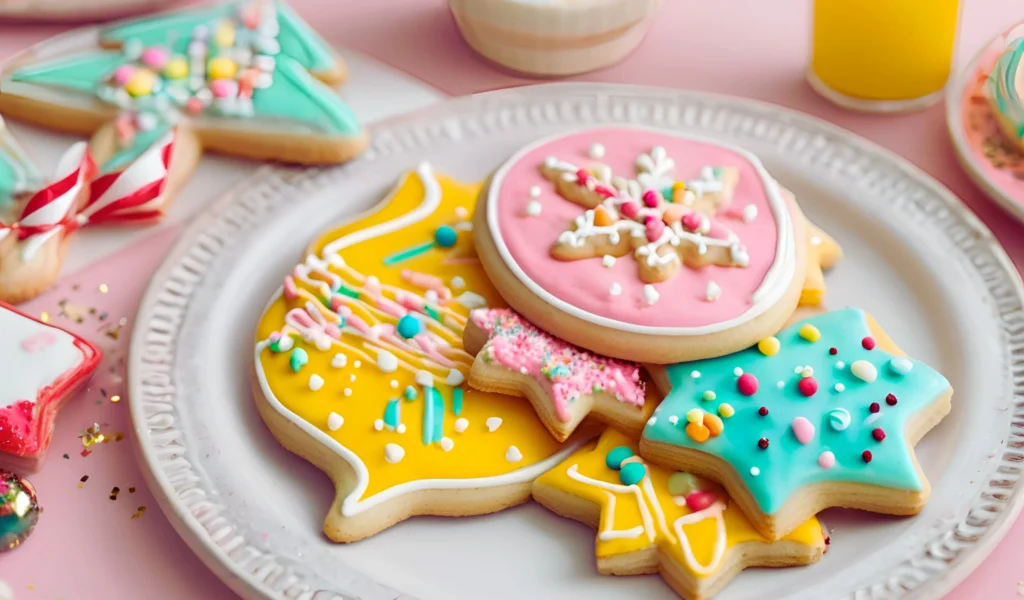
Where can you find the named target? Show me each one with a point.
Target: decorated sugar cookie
(564, 383)
(653, 520)
(43, 367)
(825, 413)
(360, 368)
(644, 245)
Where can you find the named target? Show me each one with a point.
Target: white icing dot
(455, 377)
(379, 424)
(447, 444)
(315, 382)
(458, 282)
(493, 423)
(323, 343)
(513, 454)
(393, 453)
(713, 292)
(755, 471)
(840, 387)
(424, 378)
(347, 391)
(615, 290)
(749, 213)
(596, 151)
(673, 419)
(357, 364)
(695, 374)
(535, 191)
(285, 344)
(431, 297)
(352, 377)
(737, 371)
(394, 384)
(608, 260)
(651, 295)
(780, 384)
(533, 208)
(386, 362)
(652, 421)
(798, 369)
(335, 421)
(840, 365)
(339, 361)
(400, 428)
(864, 371)
(461, 424)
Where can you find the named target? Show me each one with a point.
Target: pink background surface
(88, 546)
(585, 283)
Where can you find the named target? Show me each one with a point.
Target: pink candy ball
(221, 88)
(747, 384)
(155, 57)
(630, 209)
(651, 199)
(654, 229)
(692, 221)
(123, 74)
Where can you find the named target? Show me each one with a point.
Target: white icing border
(354, 503)
(772, 288)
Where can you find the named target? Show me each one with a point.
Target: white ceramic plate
(916, 259)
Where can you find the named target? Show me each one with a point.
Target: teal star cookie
(824, 414)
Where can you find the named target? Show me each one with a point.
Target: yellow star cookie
(653, 520)
(360, 368)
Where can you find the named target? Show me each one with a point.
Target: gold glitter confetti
(44, 317)
(114, 332)
(131, 490)
(92, 436)
(75, 312)
(103, 288)
(138, 514)
(115, 399)
(114, 492)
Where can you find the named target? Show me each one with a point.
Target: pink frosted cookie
(564, 383)
(642, 245)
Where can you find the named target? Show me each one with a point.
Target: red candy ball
(890, 399)
(582, 176)
(630, 209)
(651, 199)
(699, 500)
(874, 407)
(866, 455)
(808, 386)
(878, 434)
(868, 343)
(747, 384)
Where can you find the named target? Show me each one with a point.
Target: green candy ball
(632, 473)
(616, 456)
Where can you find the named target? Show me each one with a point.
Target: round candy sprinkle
(632, 473)
(155, 57)
(754, 471)
(123, 74)
(826, 460)
(737, 371)
(833, 351)
(803, 430)
(864, 371)
(222, 68)
(654, 229)
(890, 399)
(681, 484)
(695, 374)
(866, 455)
(762, 443)
(19, 510)
(630, 209)
(878, 434)
(651, 199)
(763, 411)
(808, 386)
(445, 236)
(141, 83)
(699, 500)
(726, 410)
(176, 68)
(673, 214)
(840, 364)
(839, 387)
(874, 407)
(698, 432)
(709, 396)
(714, 424)
(298, 359)
(769, 346)
(839, 419)
(900, 365)
(315, 382)
(747, 384)
(695, 415)
(615, 456)
(810, 333)
(409, 326)
(868, 343)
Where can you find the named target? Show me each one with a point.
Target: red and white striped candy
(133, 194)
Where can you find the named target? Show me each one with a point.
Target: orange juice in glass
(883, 55)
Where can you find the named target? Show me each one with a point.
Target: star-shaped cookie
(651, 519)
(43, 367)
(825, 413)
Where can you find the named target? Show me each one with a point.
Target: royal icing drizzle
(642, 505)
(821, 401)
(750, 232)
(245, 59)
(1006, 83)
(563, 371)
(38, 361)
(362, 348)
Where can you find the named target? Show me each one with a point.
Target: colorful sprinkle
(769, 346)
(698, 500)
(763, 443)
(409, 326)
(445, 236)
(808, 386)
(410, 393)
(632, 473)
(298, 359)
(890, 399)
(315, 382)
(826, 460)
(695, 415)
(709, 396)
(682, 484)
(868, 343)
(900, 365)
(864, 371)
(763, 411)
(810, 333)
(747, 384)
(803, 430)
(833, 351)
(616, 456)
(698, 432)
(878, 433)
(866, 455)
(726, 410)
(874, 407)
(714, 424)
(222, 68)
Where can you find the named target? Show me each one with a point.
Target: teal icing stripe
(80, 72)
(298, 96)
(457, 401)
(299, 41)
(428, 416)
(1002, 88)
(437, 409)
(408, 253)
(393, 414)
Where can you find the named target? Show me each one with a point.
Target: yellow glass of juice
(883, 55)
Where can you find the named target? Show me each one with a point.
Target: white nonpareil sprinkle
(608, 260)
(323, 343)
(749, 213)
(461, 424)
(755, 471)
(400, 428)
(523, 370)
(596, 151)
(285, 343)
(352, 377)
(335, 421)
(840, 364)
(737, 371)
(393, 453)
(651, 295)
(447, 444)
(695, 374)
(840, 387)
(357, 364)
(455, 377)
(713, 292)
(534, 208)
(652, 420)
(394, 384)
(347, 391)
(386, 362)
(339, 361)
(315, 382)
(535, 191)
(673, 419)
(780, 384)
(458, 282)
(431, 296)
(379, 424)
(493, 423)
(615, 289)
(513, 454)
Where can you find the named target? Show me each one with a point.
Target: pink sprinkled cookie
(643, 245)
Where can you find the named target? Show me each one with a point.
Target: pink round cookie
(643, 245)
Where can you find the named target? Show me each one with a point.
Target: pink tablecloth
(88, 546)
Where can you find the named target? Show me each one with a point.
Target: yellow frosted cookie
(360, 368)
(655, 520)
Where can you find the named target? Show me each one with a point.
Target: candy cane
(133, 194)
